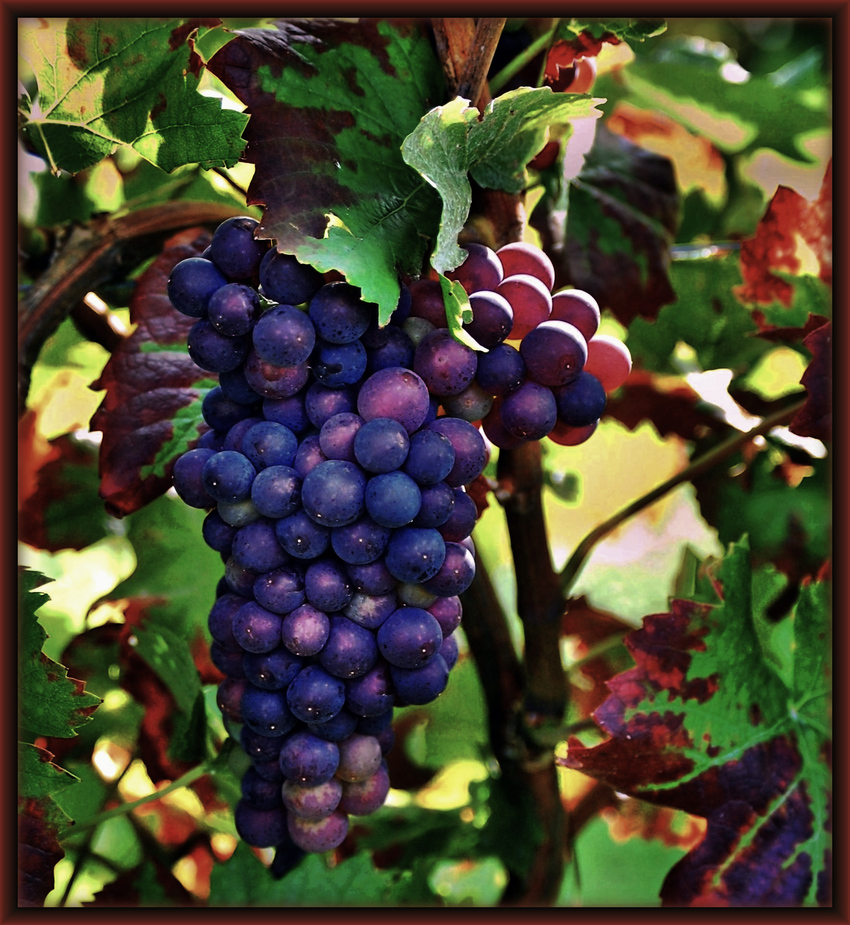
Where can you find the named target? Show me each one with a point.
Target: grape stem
(698, 467)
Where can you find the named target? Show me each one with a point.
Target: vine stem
(183, 781)
(524, 57)
(698, 467)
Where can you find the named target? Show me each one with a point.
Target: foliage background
(125, 612)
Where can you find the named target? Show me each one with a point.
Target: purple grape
(259, 792)
(308, 455)
(260, 828)
(371, 694)
(415, 554)
(327, 585)
(315, 801)
(255, 628)
(392, 499)
(492, 318)
(445, 365)
(305, 630)
(363, 797)
(318, 835)
(577, 308)
(359, 757)
(481, 269)
(220, 619)
(554, 352)
(339, 315)
(238, 513)
(280, 590)
(221, 412)
(381, 445)
(234, 437)
(322, 402)
(530, 411)
(301, 536)
(288, 411)
(370, 610)
(426, 301)
(228, 661)
(259, 748)
(582, 401)
(272, 381)
(315, 695)
(240, 580)
(284, 336)
(431, 457)
(187, 477)
(469, 446)
(267, 712)
(360, 542)
(235, 386)
(419, 686)
(235, 250)
(333, 493)
(269, 444)
(307, 759)
(272, 670)
(396, 350)
(255, 547)
(448, 612)
(276, 492)
(286, 280)
(350, 650)
(336, 728)
(227, 476)
(213, 351)
(409, 637)
(191, 285)
(455, 574)
(395, 393)
(229, 697)
(472, 404)
(337, 435)
(372, 578)
(437, 504)
(233, 310)
(501, 370)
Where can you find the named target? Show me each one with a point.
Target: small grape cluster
(334, 471)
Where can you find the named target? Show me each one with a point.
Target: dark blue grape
(415, 554)
(267, 712)
(235, 386)
(445, 365)
(337, 435)
(448, 612)
(270, 444)
(257, 747)
(308, 455)
(370, 610)
(492, 318)
(418, 686)
(449, 651)
(322, 402)
(327, 585)
(396, 350)
(273, 670)
(227, 476)
(222, 412)
(191, 285)
(256, 547)
(582, 401)
(240, 580)
(339, 314)
(374, 723)
(392, 499)
(234, 309)
(381, 445)
(214, 351)
(233, 438)
(409, 637)
(259, 792)
(220, 619)
(315, 696)
(462, 518)
(335, 729)
(372, 694)
(469, 446)
(350, 650)
(228, 661)
(187, 477)
(272, 381)
(530, 412)
(305, 630)
(276, 491)
(288, 411)
(501, 370)
(336, 365)
(431, 457)
(286, 280)
(360, 542)
(260, 828)
(301, 536)
(333, 493)
(235, 250)
(437, 504)
(455, 574)
(284, 336)
(256, 628)
(281, 590)
(372, 578)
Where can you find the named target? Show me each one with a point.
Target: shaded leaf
(59, 513)
(703, 723)
(151, 412)
(105, 82)
(330, 104)
(613, 30)
(38, 776)
(815, 418)
(49, 702)
(39, 823)
(493, 146)
(622, 216)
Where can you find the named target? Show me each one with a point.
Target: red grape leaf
(58, 514)
(714, 721)
(39, 822)
(331, 102)
(623, 212)
(815, 418)
(792, 232)
(151, 412)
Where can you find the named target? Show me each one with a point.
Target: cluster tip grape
(334, 471)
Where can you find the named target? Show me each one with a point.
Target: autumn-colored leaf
(795, 236)
(815, 418)
(39, 823)
(720, 720)
(151, 412)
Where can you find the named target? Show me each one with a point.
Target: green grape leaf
(107, 82)
(49, 702)
(167, 653)
(38, 776)
(151, 412)
(494, 146)
(244, 881)
(708, 723)
(701, 84)
(626, 30)
(330, 103)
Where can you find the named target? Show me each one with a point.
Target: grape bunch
(334, 471)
